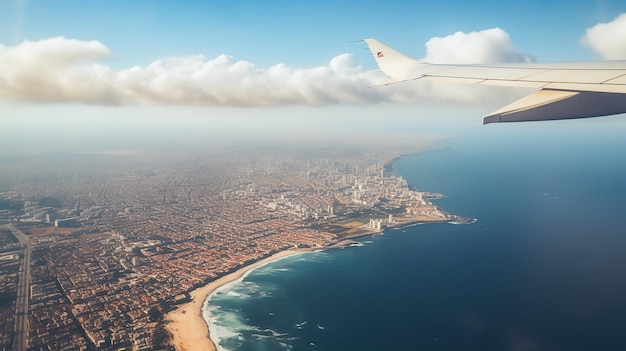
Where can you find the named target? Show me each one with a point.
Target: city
(95, 252)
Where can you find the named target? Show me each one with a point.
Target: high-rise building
(66, 222)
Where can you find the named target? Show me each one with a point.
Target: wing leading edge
(564, 91)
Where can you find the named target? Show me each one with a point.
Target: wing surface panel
(568, 90)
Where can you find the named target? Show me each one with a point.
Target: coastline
(188, 329)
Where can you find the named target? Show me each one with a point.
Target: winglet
(393, 63)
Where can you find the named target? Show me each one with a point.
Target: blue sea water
(543, 268)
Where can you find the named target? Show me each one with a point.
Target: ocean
(543, 268)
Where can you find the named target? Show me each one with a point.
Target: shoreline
(186, 325)
(188, 328)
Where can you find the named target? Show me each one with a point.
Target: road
(20, 343)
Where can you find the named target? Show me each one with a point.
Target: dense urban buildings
(112, 242)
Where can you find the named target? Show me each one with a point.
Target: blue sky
(299, 33)
(228, 59)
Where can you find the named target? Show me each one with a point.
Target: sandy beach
(188, 328)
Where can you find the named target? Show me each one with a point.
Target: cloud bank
(66, 70)
(60, 70)
(608, 39)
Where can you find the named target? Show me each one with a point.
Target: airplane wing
(564, 91)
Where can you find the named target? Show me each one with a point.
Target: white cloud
(608, 39)
(53, 70)
(65, 70)
(487, 46)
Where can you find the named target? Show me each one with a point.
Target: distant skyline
(248, 61)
